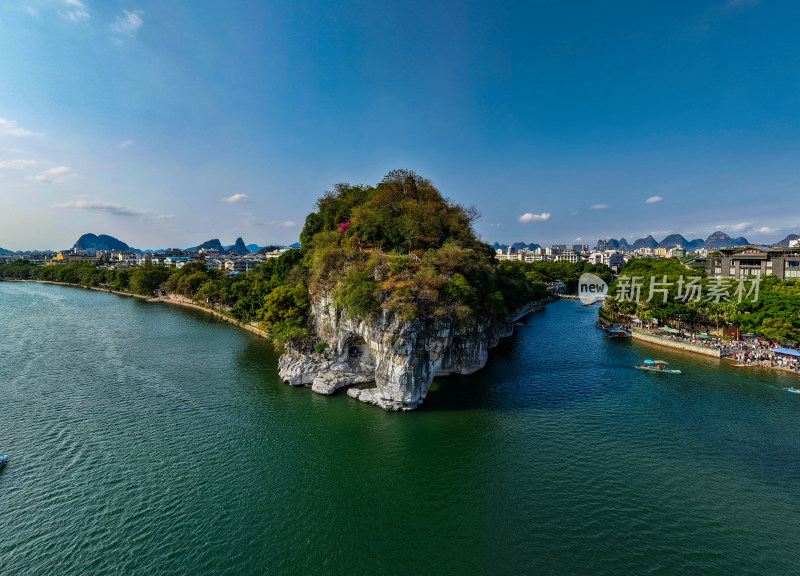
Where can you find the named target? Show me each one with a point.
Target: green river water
(150, 439)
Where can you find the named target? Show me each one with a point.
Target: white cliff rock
(401, 357)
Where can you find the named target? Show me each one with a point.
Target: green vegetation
(775, 313)
(568, 272)
(399, 246)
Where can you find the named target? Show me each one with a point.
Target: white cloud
(528, 217)
(31, 10)
(16, 164)
(235, 198)
(126, 144)
(129, 24)
(733, 227)
(76, 11)
(653, 199)
(56, 175)
(106, 207)
(284, 224)
(573, 213)
(578, 239)
(10, 127)
(765, 230)
(599, 206)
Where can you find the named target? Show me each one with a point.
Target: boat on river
(3, 460)
(794, 390)
(614, 333)
(657, 366)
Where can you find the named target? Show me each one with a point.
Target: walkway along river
(149, 439)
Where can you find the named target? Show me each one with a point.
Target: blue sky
(169, 123)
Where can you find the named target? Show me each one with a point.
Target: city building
(614, 259)
(68, 257)
(743, 261)
(677, 252)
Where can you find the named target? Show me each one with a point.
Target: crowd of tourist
(767, 358)
(756, 352)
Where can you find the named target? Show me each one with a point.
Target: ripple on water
(149, 439)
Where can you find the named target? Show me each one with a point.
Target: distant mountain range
(785, 242)
(214, 244)
(238, 247)
(717, 239)
(101, 242)
(516, 246)
(105, 242)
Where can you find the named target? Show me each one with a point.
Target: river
(150, 439)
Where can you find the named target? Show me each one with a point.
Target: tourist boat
(603, 325)
(657, 366)
(612, 333)
(3, 460)
(795, 390)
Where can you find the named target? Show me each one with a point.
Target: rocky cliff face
(400, 357)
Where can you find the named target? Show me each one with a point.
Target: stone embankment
(646, 336)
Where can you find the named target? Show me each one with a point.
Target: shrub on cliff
(403, 246)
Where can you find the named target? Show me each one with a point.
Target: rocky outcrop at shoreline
(400, 357)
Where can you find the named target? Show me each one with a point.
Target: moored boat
(3, 460)
(613, 333)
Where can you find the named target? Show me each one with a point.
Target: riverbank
(173, 299)
(761, 358)
(644, 335)
(181, 301)
(530, 307)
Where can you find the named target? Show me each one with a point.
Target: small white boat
(657, 366)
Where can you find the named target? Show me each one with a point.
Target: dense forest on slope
(404, 247)
(774, 312)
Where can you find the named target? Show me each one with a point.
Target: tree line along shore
(245, 298)
(769, 309)
(399, 246)
(746, 328)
